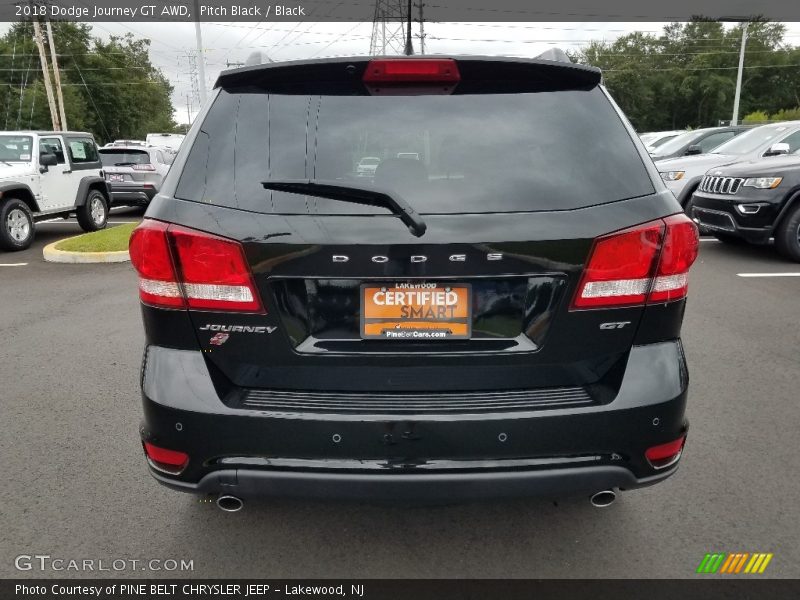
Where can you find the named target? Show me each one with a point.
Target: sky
(226, 43)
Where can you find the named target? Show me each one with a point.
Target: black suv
(496, 311)
(753, 202)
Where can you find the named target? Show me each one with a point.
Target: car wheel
(787, 236)
(17, 230)
(93, 215)
(727, 238)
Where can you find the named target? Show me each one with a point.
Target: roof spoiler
(343, 75)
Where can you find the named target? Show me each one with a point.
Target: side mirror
(47, 159)
(693, 149)
(777, 148)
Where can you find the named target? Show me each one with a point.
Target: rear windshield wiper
(125, 164)
(369, 196)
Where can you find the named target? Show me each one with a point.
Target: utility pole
(56, 76)
(735, 118)
(409, 50)
(188, 111)
(420, 6)
(37, 35)
(201, 63)
(389, 27)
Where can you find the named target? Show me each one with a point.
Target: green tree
(686, 76)
(110, 87)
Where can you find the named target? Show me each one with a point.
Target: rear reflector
(647, 263)
(172, 461)
(665, 455)
(182, 267)
(413, 70)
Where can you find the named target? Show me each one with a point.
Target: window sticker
(78, 150)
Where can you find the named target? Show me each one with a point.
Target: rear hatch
(514, 167)
(128, 167)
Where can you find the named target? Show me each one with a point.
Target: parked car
(752, 202)
(697, 141)
(171, 141)
(134, 174)
(654, 139)
(500, 319)
(126, 143)
(682, 175)
(367, 165)
(45, 174)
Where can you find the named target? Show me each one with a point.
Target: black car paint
(775, 203)
(634, 376)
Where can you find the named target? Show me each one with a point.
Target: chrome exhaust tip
(229, 503)
(603, 499)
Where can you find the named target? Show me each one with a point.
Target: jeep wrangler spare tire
(16, 225)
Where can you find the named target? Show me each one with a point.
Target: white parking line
(768, 274)
(62, 222)
(13, 264)
(709, 240)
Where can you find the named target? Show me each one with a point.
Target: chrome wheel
(18, 225)
(97, 210)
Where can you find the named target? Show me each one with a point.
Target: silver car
(682, 175)
(134, 173)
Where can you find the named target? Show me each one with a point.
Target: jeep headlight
(763, 183)
(672, 175)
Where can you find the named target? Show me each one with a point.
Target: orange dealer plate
(416, 311)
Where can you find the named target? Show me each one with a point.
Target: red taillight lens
(208, 272)
(620, 268)
(169, 460)
(150, 256)
(413, 70)
(214, 271)
(664, 455)
(678, 254)
(647, 263)
(144, 168)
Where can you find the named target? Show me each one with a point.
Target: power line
(704, 68)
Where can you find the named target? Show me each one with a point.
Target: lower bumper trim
(412, 486)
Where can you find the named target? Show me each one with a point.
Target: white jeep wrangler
(45, 175)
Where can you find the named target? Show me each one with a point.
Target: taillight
(180, 267)
(678, 253)
(412, 70)
(144, 168)
(665, 455)
(150, 256)
(647, 263)
(171, 461)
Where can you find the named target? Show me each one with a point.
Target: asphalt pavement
(76, 486)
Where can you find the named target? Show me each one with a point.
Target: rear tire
(787, 236)
(93, 215)
(727, 238)
(16, 225)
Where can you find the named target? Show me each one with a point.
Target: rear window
(467, 153)
(113, 157)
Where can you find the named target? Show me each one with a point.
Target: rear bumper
(137, 195)
(247, 483)
(453, 456)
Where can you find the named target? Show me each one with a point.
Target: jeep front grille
(721, 185)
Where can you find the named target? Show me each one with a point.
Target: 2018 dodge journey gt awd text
(499, 315)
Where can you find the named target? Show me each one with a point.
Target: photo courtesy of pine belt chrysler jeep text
(491, 311)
